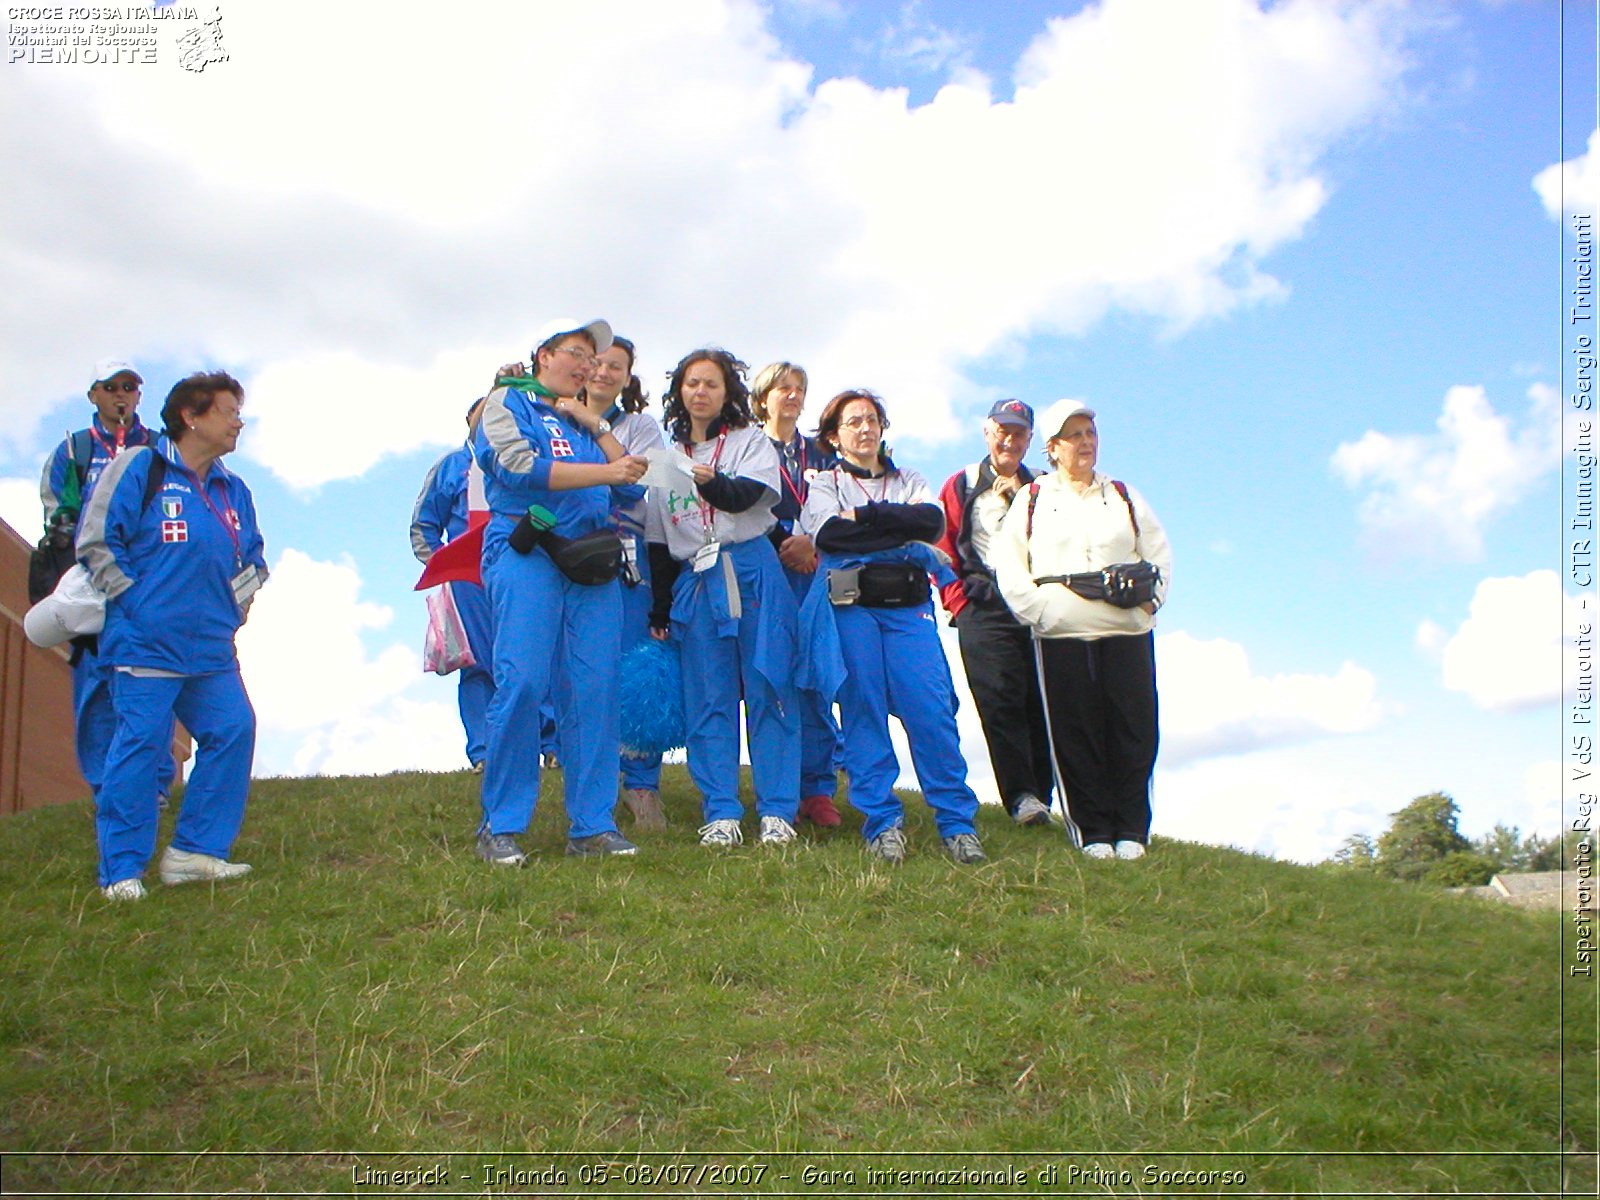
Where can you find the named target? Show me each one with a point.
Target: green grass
(373, 987)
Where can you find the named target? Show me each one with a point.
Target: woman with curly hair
(720, 592)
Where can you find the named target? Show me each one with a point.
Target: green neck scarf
(525, 383)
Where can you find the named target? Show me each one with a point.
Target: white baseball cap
(76, 607)
(1058, 414)
(599, 331)
(108, 368)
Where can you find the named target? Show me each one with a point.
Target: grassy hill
(375, 993)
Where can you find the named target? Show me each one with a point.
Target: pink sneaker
(819, 810)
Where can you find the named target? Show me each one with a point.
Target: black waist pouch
(893, 585)
(591, 560)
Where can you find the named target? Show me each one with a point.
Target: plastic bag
(445, 647)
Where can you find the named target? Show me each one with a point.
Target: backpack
(56, 552)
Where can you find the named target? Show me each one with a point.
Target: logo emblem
(171, 506)
(174, 531)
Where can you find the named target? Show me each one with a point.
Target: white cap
(76, 607)
(106, 368)
(598, 330)
(1058, 414)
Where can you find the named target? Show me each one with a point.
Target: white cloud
(1214, 705)
(19, 507)
(1432, 494)
(1506, 655)
(324, 704)
(309, 202)
(1573, 185)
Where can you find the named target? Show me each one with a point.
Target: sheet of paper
(668, 466)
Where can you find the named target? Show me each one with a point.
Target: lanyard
(783, 472)
(708, 513)
(113, 451)
(883, 492)
(227, 518)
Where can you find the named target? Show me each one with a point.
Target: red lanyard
(113, 451)
(708, 514)
(783, 472)
(227, 518)
(883, 492)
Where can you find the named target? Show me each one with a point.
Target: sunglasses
(124, 386)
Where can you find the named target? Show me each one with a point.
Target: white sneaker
(124, 889)
(775, 831)
(1030, 810)
(724, 832)
(182, 866)
(1100, 850)
(1130, 849)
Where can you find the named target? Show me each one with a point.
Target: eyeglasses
(866, 422)
(125, 386)
(583, 356)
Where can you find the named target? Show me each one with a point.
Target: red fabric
(457, 561)
(952, 497)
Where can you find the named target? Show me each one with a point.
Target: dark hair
(194, 395)
(633, 397)
(768, 378)
(833, 411)
(735, 412)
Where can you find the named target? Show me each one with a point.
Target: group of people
(794, 573)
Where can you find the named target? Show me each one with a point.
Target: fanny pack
(591, 560)
(880, 585)
(1126, 585)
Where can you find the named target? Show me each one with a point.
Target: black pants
(1102, 697)
(997, 653)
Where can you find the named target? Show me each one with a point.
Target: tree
(1420, 835)
(1357, 852)
(1460, 868)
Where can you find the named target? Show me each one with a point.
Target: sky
(1304, 259)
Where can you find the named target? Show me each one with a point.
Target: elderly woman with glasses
(170, 536)
(1096, 648)
(869, 620)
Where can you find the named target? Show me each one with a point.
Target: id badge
(245, 584)
(705, 556)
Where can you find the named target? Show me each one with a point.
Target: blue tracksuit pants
(819, 732)
(542, 619)
(476, 686)
(718, 668)
(216, 710)
(95, 724)
(896, 666)
(638, 771)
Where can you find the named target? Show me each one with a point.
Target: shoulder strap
(82, 454)
(1033, 502)
(1122, 490)
(155, 479)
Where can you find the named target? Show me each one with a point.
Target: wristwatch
(602, 427)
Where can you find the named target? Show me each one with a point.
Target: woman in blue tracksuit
(538, 446)
(777, 397)
(615, 393)
(180, 571)
(719, 589)
(869, 623)
(440, 515)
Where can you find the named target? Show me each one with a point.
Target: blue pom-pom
(652, 699)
